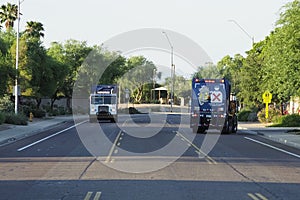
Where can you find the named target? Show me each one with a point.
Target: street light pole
(17, 58)
(172, 70)
(235, 22)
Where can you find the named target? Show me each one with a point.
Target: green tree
(282, 55)
(7, 67)
(34, 29)
(74, 54)
(55, 60)
(8, 15)
(140, 75)
(209, 71)
(182, 87)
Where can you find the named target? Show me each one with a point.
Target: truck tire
(234, 124)
(226, 129)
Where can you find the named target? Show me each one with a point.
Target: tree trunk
(38, 102)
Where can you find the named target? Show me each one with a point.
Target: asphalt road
(147, 157)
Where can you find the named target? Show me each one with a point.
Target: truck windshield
(103, 100)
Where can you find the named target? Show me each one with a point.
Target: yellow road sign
(267, 97)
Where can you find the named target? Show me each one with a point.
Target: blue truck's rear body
(211, 106)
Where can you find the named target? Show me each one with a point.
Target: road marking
(272, 147)
(261, 196)
(209, 159)
(89, 195)
(257, 196)
(50, 136)
(108, 158)
(97, 196)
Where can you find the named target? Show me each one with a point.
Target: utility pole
(172, 70)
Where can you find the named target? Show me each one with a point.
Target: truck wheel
(235, 125)
(226, 127)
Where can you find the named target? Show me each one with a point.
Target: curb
(279, 140)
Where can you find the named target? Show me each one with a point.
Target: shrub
(2, 118)
(6, 105)
(17, 119)
(247, 115)
(290, 120)
(38, 113)
(274, 115)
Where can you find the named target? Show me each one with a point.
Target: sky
(207, 23)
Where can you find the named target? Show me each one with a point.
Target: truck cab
(104, 103)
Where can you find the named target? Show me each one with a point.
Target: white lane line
(50, 136)
(108, 158)
(272, 147)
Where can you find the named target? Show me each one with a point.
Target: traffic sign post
(267, 97)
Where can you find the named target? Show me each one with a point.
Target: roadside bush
(17, 119)
(39, 113)
(274, 115)
(54, 112)
(6, 105)
(2, 118)
(290, 121)
(247, 115)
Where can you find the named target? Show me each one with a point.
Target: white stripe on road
(272, 147)
(89, 195)
(50, 136)
(108, 158)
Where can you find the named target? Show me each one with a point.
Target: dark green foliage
(289, 121)
(6, 105)
(243, 115)
(17, 119)
(38, 113)
(247, 115)
(2, 118)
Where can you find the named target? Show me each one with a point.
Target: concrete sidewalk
(10, 133)
(285, 135)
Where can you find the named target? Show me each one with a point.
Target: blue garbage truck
(213, 106)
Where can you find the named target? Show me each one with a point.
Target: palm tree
(8, 15)
(34, 29)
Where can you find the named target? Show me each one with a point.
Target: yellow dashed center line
(209, 159)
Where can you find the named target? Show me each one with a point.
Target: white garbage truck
(103, 103)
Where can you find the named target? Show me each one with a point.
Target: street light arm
(235, 22)
(168, 39)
